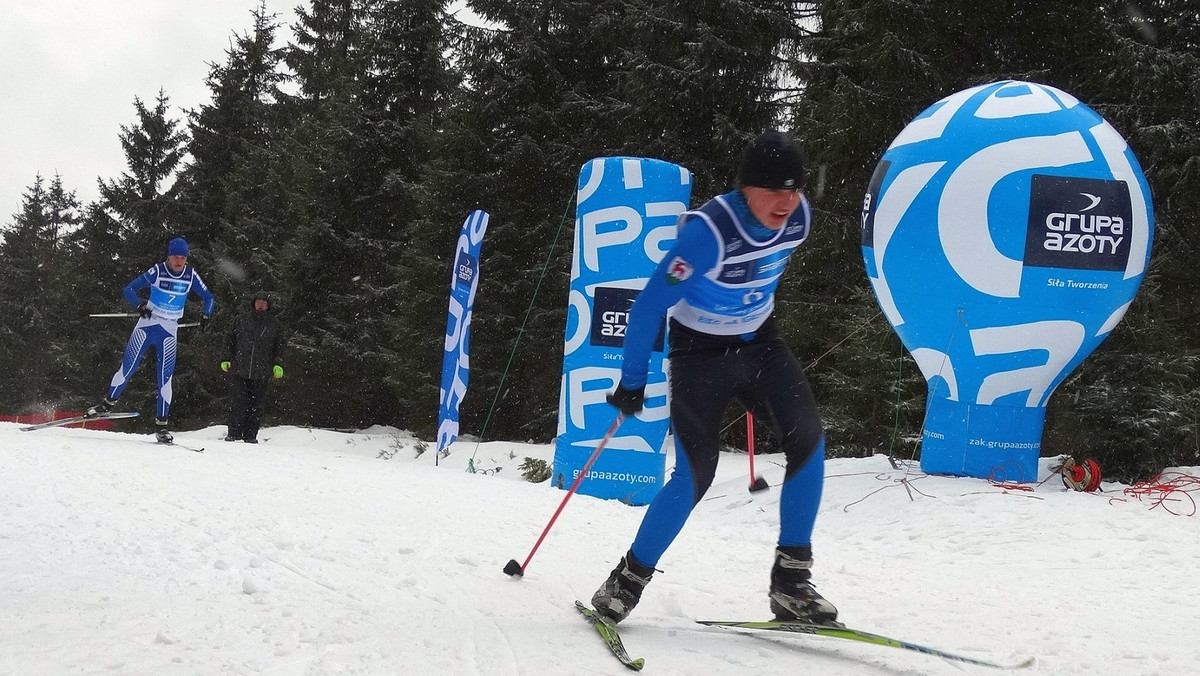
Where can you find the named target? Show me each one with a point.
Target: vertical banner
(625, 216)
(455, 362)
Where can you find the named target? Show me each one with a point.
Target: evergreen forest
(338, 156)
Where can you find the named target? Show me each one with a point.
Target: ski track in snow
(309, 555)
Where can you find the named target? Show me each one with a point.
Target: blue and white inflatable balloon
(1005, 233)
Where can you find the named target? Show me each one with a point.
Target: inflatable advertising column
(624, 224)
(1005, 233)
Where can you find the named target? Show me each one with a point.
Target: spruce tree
(142, 199)
(372, 82)
(553, 85)
(408, 90)
(867, 68)
(32, 299)
(97, 266)
(1134, 405)
(516, 139)
(137, 213)
(236, 190)
(871, 65)
(240, 199)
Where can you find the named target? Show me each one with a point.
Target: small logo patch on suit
(678, 271)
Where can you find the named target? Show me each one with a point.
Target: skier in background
(255, 349)
(719, 280)
(169, 283)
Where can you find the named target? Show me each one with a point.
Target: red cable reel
(1084, 476)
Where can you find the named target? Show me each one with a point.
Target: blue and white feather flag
(456, 361)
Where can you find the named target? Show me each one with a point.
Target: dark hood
(262, 295)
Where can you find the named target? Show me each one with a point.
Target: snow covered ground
(309, 554)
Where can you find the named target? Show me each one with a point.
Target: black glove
(628, 402)
(204, 322)
(144, 310)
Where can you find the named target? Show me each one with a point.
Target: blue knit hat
(177, 247)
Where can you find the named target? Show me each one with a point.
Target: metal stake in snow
(517, 570)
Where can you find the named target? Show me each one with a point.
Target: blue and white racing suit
(719, 280)
(168, 294)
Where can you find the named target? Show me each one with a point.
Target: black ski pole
(517, 570)
(757, 483)
(184, 325)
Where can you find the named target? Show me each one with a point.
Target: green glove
(225, 366)
(278, 371)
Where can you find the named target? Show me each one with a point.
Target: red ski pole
(757, 483)
(515, 569)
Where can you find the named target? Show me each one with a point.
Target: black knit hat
(773, 160)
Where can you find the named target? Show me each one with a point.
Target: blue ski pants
(160, 334)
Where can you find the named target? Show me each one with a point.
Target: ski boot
(163, 435)
(103, 407)
(793, 598)
(616, 598)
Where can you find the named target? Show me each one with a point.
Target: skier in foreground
(720, 277)
(169, 283)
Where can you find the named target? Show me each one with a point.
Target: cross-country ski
(75, 420)
(179, 445)
(608, 633)
(861, 636)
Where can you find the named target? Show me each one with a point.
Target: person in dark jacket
(255, 358)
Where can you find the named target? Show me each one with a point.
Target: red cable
(1168, 487)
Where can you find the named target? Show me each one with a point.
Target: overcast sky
(70, 69)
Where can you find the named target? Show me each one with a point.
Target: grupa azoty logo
(1005, 233)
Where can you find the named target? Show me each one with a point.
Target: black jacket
(256, 344)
